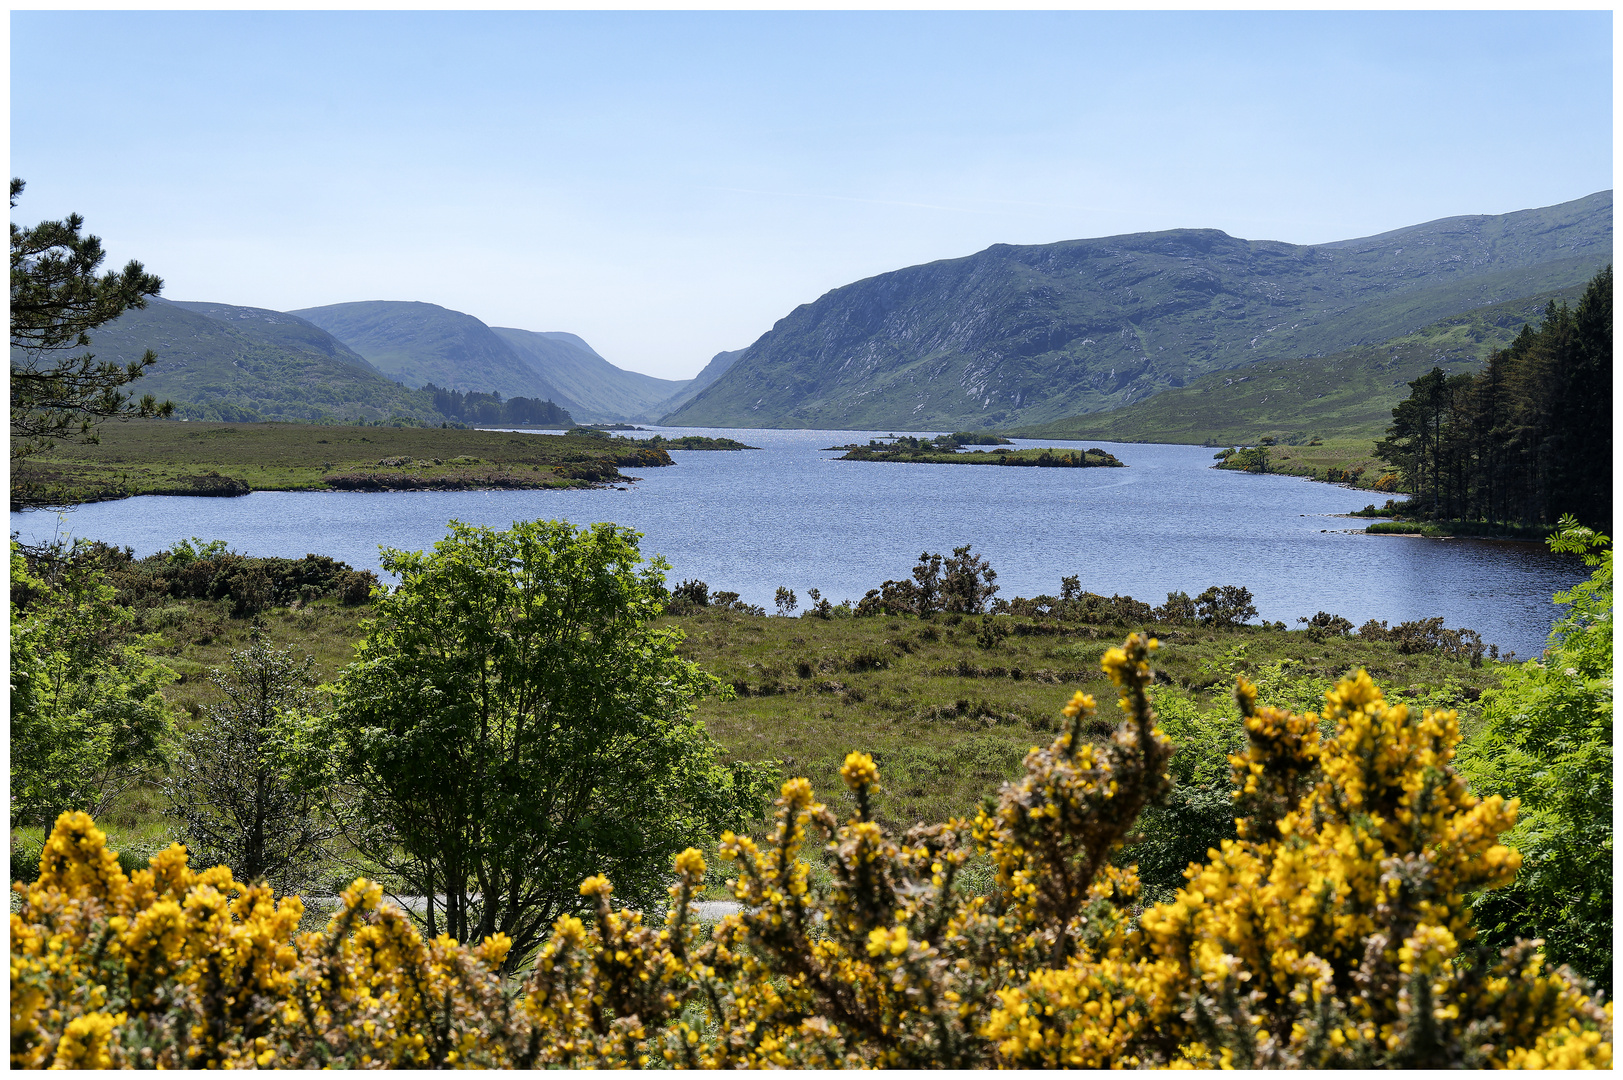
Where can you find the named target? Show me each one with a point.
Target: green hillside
(221, 362)
(1347, 395)
(592, 389)
(421, 343)
(1023, 336)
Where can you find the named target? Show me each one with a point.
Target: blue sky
(668, 184)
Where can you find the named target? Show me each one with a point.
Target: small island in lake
(940, 442)
(697, 442)
(943, 451)
(683, 442)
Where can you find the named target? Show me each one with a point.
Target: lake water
(788, 514)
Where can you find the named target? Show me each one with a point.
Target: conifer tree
(58, 390)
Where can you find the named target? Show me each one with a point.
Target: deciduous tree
(240, 803)
(513, 723)
(1547, 737)
(87, 717)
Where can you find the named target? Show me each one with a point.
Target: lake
(788, 514)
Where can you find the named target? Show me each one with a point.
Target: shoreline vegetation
(945, 682)
(167, 457)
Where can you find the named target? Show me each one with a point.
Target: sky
(668, 185)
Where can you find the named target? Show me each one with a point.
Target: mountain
(1347, 395)
(1025, 335)
(715, 369)
(592, 389)
(222, 362)
(420, 343)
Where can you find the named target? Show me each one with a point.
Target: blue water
(788, 514)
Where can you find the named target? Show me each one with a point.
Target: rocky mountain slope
(1026, 335)
(1346, 395)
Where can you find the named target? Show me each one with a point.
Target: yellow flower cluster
(1332, 933)
(169, 968)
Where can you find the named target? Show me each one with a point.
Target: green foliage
(1520, 441)
(1247, 459)
(512, 724)
(56, 297)
(1197, 813)
(961, 584)
(88, 720)
(1547, 737)
(946, 453)
(1224, 605)
(490, 409)
(242, 799)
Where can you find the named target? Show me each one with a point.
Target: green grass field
(947, 710)
(172, 457)
(1355, 456)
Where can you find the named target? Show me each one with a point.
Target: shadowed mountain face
(1032, 334)
(592, 389)
(222, 362)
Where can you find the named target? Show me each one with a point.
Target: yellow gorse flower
(1332, 932)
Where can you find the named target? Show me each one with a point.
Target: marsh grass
(947, 712)
(948, 719)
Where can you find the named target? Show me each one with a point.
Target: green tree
(240, 802)
(513, 723)
(1547, 737)
(88, 720)
(57, 390)
(1411, 443)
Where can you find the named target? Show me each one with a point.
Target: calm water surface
(790, 515)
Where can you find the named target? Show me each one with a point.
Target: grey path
(708, 910)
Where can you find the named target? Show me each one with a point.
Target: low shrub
(1329, 932)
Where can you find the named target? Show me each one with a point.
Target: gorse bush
(1332, 931)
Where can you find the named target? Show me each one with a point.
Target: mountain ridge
(1017, 335)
